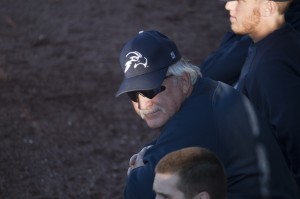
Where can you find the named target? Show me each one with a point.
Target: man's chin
(153, 124)
(238, 31)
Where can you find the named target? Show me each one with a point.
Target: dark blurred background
(63, 134)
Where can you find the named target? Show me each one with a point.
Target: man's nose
(144, 102)
(230, 5)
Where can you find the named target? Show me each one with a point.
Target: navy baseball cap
(145, 60)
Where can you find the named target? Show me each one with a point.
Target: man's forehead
(166, 185)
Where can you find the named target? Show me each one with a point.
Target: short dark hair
(198, 170)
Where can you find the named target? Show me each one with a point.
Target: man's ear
(202, 195)
(269, 8)
(186, 83)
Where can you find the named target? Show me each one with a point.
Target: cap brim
(147, 81)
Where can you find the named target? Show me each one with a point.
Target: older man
(170, 95)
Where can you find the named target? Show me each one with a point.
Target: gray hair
(183, 66)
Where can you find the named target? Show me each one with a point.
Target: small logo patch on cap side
(173, 56)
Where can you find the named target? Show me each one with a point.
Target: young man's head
(157, 80)
(190, 173)
(257, 18)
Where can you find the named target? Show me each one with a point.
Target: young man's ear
(202, 195)
(269, 8)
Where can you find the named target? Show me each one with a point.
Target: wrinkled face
(165, 186)
(244, 15)
(158, 110)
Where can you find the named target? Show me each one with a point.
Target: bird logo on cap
(135, 59)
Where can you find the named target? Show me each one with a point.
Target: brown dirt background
(63, 134)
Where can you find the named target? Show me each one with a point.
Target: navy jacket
(226, 62)
(270, 78)
(218, 117)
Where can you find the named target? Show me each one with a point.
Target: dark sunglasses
(133, 95)
(146, 93)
